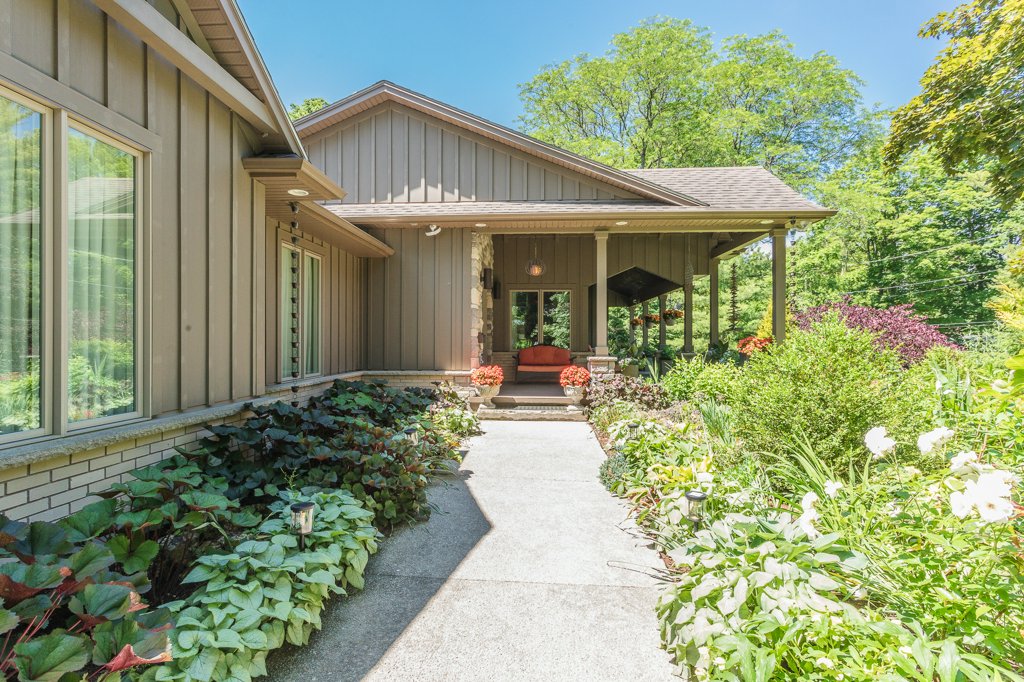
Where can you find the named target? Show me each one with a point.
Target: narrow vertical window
(289, 307)
(311, 313)
(20, 268)
(557, 318)
(101, 279)
(525, 328)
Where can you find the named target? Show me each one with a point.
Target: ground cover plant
(863, 518)
(190, 570)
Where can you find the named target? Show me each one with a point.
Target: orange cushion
(545, 355)
(541, 368)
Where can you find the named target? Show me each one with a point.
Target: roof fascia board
(153, 29)
(381, 214)
(386, 90)
(252, 53)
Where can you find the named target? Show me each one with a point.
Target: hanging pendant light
(535, 266)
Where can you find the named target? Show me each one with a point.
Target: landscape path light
(302, 520)
(695, 507)
(413, 435)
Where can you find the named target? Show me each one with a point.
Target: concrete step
(511, 401)
(531, 413)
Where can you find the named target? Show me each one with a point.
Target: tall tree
(662, 96)
(970, 107)
(307, 107)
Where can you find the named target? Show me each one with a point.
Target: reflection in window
(20, 267)
(101, 279)
(553, 327)
(311, 313)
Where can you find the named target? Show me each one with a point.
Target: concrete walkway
(527, 570)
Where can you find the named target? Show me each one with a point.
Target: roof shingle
(732, 188)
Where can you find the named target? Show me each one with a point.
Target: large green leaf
(202, 667)
(8, 620)
(43, 539)
(47, 658)
(20, 581)
(135, 553)
(89, 560)
(98, 603)
(90, 521)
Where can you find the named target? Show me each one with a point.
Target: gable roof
(732, 188)
(385, 91)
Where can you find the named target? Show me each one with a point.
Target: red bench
(537, 361)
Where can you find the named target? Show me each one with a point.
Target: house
(172, 247)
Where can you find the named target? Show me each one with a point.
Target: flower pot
(670, 321)
(630, 370)
(575, 393)
(488, 393)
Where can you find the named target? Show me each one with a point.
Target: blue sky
(473, 55)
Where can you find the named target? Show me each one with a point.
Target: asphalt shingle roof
(732, 188)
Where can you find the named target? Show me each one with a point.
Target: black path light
(634, 430)
(302, 520)
(695, 507)
(413, 435)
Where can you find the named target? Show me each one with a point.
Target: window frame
(540, 312)
(55, 125)
(304, 252)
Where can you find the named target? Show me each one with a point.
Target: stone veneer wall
(52, 479)
(481, 302)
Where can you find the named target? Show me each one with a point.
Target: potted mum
(487, 379)
(574, 380)
(652, 319)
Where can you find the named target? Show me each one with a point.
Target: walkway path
(527, 570)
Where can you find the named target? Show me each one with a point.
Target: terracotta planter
(488, 393)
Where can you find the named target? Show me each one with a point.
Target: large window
(21, 260)
(540, 317)
(300, 312)
(101, 278)
(68, 274)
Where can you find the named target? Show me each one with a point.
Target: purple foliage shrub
(898, 327)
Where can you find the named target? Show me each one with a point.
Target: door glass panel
(289, 312)
(101, 278)
(524, 319)
(557, 318)
(20, 266)
(311, 314)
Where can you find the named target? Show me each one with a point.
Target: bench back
(544, 355)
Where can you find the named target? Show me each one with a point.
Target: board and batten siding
(393, 154)
(418, 302)
(571, 265)
(343, 302)
(204, 245)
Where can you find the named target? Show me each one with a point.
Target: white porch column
(601, 323)
(688, 319)
(713, 301)
(662, 300)
(779, 284)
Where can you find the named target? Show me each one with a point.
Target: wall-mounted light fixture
(298, 192)
(487, 278)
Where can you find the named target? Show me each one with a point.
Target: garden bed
(192, 570)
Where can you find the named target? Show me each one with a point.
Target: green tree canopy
(664, 96)
(307, 107)
(971, 106)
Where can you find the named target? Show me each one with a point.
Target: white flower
(962, 459)
(878, 442)
(832, 488)
(990, 484)
(911, 472)
(704, 477)
(995, 509)
(810, 499)
(927, 442)
(906, 650)
(961, 504)
(806, 523)
(825, 662)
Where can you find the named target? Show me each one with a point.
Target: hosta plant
(268, 591)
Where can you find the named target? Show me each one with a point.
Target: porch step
(553, 413)
(517, 401)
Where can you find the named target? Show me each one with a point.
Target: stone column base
(601, 366)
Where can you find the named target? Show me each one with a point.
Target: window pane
(524, 319)
(311, 314)
(557, 319)
(289, 292)
(101, 279)
(20, 265)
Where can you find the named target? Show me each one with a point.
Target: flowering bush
(897, 328)
(487, 375)
(673, 314)
(652, 318)
(752, 344)
(575, 375)
(636, 322)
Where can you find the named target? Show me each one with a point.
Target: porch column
(713, 301)
(601, 323)
(645, 311)
(662, 300)
(779, 284)
(632, 330)
(688, 318)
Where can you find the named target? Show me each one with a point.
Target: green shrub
(613, 469)
(679, 381)
(831, 385)
(717, 381)
(646, 395)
